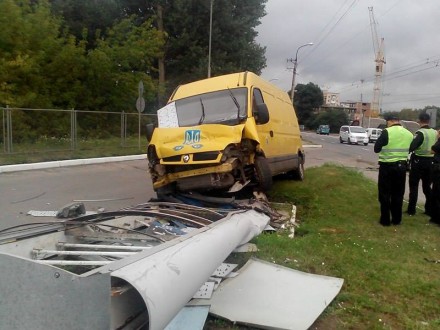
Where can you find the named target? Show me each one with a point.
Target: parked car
(373, 134)
(323, 129)
(353, 134)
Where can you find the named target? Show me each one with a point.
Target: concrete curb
(70, 162)
(307, 146)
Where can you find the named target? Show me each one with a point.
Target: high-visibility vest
(399, 140)
(429, 138)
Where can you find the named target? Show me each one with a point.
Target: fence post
(73, 131)
(4, 129)
(7, 129)
(122, 128)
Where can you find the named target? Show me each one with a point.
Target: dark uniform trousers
(421, 168)
(435, 210)
(391, 185)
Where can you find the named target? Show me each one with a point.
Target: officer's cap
(390, 116)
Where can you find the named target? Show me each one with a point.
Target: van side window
(257, 98)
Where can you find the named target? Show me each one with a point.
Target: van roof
(233, 80)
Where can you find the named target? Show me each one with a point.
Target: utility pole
(295, 65)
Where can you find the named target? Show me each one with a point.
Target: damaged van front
(216, 134)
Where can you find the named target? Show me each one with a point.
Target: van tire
(340, 140)
(263, 173)
(365, 144)
(298, 174)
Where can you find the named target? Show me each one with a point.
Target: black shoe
(385, 224)
(410, 213)
(434, 221)
(397, 223)
(427, 213)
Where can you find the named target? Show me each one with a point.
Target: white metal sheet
(266, 295)
(189, 318)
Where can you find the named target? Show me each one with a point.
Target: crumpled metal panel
(41, 297)
(168, 278)
(269, 296)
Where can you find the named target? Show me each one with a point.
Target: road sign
(140, 104)
(141, 88)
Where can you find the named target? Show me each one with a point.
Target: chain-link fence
(54, 130)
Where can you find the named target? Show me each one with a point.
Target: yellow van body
(224, 133)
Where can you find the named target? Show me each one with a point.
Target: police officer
(392, 146)
(435, 200)
(421, 164)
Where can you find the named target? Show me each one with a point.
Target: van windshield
(355, 129)
(227, 107)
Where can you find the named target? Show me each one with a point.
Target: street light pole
(295, 65)
(210, 38)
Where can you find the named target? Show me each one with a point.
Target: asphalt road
(359, 157)
(115, 185)
(111, 186)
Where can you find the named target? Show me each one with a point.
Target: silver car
(353, 135)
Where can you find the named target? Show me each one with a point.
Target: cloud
(343, 55)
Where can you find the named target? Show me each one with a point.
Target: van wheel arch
(298, 173)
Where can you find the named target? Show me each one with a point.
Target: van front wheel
(263, 173)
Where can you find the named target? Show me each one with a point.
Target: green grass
(388, 284)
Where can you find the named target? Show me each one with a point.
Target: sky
(342, 58)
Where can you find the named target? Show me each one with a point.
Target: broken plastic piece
(71, 210)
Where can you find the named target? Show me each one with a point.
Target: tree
(409, 114)
(307, 99)
(334, 117)
(186, 27)
(29, 40)
(88, 20)
(126, 56)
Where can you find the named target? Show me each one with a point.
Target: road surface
(112, 186)
(359, 157)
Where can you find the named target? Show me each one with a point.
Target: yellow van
(223, 133)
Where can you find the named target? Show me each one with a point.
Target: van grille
(172, 159)
(198, 157)
(212, 155)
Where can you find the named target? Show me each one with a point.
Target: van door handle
(271, 133)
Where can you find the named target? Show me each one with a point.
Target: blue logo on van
(192, 136)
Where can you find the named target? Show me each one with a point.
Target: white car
(353, 134)
(373, 134)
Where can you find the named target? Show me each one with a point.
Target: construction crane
(378, 46)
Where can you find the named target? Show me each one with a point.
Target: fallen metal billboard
(148, 266)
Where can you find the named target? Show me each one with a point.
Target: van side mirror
(150, 130)
(262, 114)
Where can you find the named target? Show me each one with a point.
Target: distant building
(331, 99)
(360, 111)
